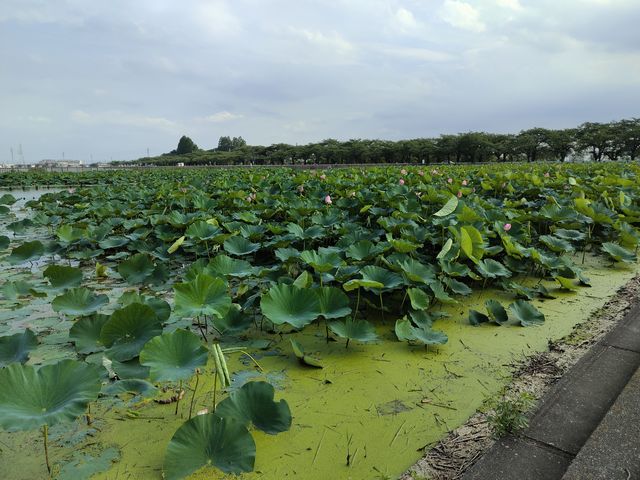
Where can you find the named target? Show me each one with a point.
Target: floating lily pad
(31, 398)
(16, 348)
(61, 276)
(27, 252)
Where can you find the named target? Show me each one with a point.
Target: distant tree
(238, 142)
(532, 143)
(561, 142)
(186, 145)
(225, 144)
(594, 138)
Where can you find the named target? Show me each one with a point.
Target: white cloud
(462, 15)
(514, 5)
(422, 54)
(220, 117)
(115, 117)
(405, 20)
(332, 41)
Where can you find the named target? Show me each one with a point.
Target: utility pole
(11, 154)
(147, 152)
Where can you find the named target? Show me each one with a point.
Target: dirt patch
(452, 456)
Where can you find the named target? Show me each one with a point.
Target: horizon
(107, 82)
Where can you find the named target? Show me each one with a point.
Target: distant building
(47, 163)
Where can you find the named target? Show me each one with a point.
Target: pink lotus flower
(401, 181)
(301, 188)
(249, 198)
(464, 183)
(323, 177)
(459, 193)
(546, 175)
(434, 172)
(353, 194)
(421, 173)
(327, 200)
(403, 171)
(507, 227)
(449, 180)
(71, 190)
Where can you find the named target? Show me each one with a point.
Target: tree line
(590, 141)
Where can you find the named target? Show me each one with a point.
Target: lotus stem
(347, 345)
(404, 299)
(355, 315)
(88, 414)
(178, 399)
(45, 434)
(215, 390)
(195, 389)
(381, 307)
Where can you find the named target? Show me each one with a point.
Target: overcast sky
(109, 79)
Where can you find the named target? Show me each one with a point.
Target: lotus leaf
(304, 359)
(389, 279)
(85, 333)
(288, 304)
(52, 394)
(526, 313)
(173, 356)
(203, 296)
(78, 301)
(254, 403)
(61, 276)
(209, 440)
(128, 329)
(16, 348)
(497, 312)
(333, 302)
(619, 253)
(240, 246)
(359, 330)
(27, 252)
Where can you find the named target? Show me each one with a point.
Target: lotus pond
(286, 324)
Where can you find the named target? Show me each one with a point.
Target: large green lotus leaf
(389, 279)
(232, 267)
(19, 288)
(526, 313)
(16, 348)
(419, 299)
(359, 283)
(572, 235)
(321, 262)
(566, 283)
(202, 230)
(173, 356)
(363, 249)
(4, 209)
(471, 243)
(359, 330)
(288, 304)
(476, 318)
(333, 302)
(196, 268)
(448, 207)
(133, 386)
(128, 329)
(161, 307)
(240, 246)
(203, 296)
(69, 233)
(556, 244)
(253, 403)
(417, 272)
(4, 242)
(78, 301)
(403, 245)
(7, 199)
(456, 286)
(490, 268)
(234, 321)
(27, 252)
(424, 334)
(61, 276)
(496, 311)
(304, 280)
(619, 253)
(209, 440)
(137, 269)
(53, 394)
(113, 242)
(85, 333)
